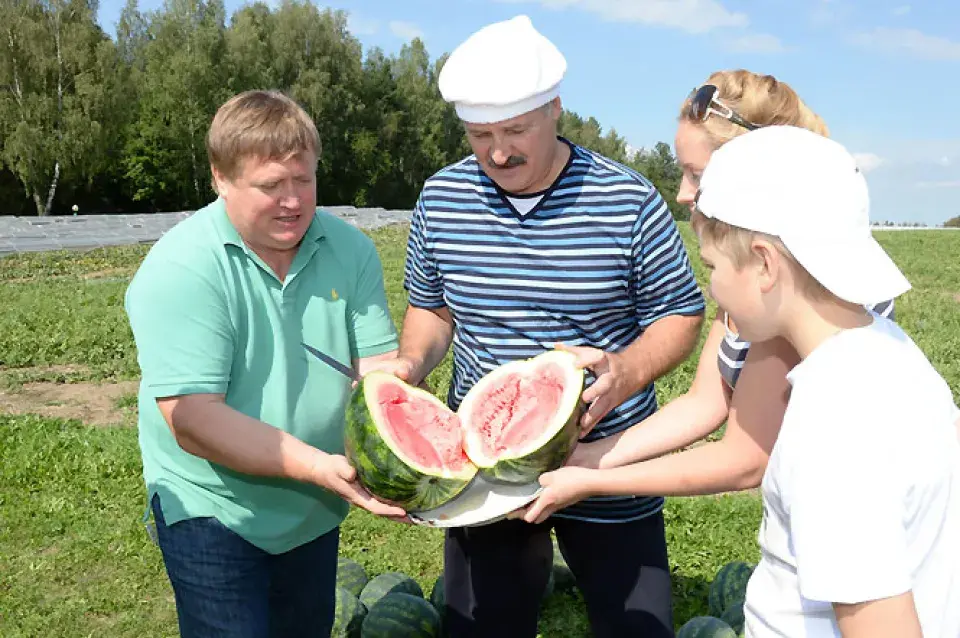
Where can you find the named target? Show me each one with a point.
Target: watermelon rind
(351, 575)
(706, 627)
(381, 467)
(553, 448)
(437, 596)
(438, 599)
(729, 586)
(400, 615)
(389, 583)
(348, 615)
(733, 615)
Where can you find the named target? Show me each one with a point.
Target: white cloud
(359, 25)
(756, 43)
(945, 161)
(868, 161)
(405, 30)
(692, 16)
(942, 184)
(909, 42)
(902, 10)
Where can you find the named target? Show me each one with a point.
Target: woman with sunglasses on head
(738, 382)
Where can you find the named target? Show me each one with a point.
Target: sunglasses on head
(704, 101)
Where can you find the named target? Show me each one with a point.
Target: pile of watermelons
(725, 601)
(393, 605)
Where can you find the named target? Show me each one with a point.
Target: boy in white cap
(860, 536)
(530, 241)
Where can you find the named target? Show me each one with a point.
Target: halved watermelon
(517, 422)
(523, 419)
(405, 444)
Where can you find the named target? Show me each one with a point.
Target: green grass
(74, 557)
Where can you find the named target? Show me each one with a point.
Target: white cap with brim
(808, 191)
(503, 70)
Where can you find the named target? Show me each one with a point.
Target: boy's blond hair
(259, 124)
(734, 243)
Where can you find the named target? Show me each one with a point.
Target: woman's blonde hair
(765, 101)
(761, 99)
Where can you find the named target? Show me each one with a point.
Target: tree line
(118, 125)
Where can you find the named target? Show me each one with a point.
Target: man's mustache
(513, 160)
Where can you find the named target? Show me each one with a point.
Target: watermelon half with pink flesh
(406, 444)
(523, 419)
(518, 421)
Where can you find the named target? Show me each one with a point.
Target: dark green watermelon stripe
(401, 615)
(706, 627)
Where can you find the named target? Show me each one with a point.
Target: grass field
(74, 557)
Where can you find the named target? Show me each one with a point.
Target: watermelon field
(75, 559)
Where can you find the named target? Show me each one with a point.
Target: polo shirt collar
(306, 250)
(230, 236)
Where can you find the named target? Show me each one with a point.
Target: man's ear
(556, 109)
(220, 182)
(767, 262)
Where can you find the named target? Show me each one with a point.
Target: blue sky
(885, 74)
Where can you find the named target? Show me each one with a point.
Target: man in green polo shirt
(241, 431)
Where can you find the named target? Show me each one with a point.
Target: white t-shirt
(524, 203)
(861, 497)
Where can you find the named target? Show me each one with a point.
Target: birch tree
(54, 68)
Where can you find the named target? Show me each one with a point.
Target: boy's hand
(562, 487)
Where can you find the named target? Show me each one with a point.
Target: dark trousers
(495, 576)
(226, 587)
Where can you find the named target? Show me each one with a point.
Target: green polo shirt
(208, 316)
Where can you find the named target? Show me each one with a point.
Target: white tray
(481, 503)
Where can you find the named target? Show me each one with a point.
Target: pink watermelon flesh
(427, 433)
(516, 410)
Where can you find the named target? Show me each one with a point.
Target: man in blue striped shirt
(532, 241)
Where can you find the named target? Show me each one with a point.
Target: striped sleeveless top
(733, 350)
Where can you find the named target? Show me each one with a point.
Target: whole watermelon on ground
(388, 583)
(706, 627)
(437, 597)
(400, 615)
(438, 600)
(733, 616)
(729, 586)
(351, 575)
(348, 615)
(518, 421)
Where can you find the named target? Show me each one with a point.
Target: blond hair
(762, 100)
(262, 125)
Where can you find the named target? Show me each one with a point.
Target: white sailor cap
(503, 70)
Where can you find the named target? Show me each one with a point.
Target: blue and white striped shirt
(594, 263)
(733, 350)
